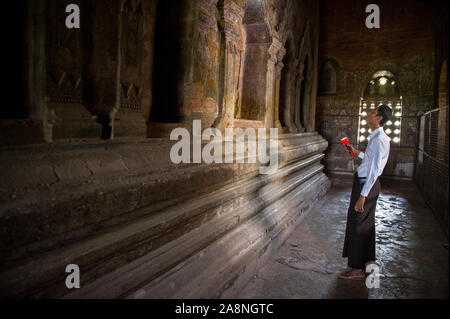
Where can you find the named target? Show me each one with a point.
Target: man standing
(359, 244)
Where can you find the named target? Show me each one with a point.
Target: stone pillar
(315, 73)
(291, 96)
(231, 20)
(40, 128)
(202, 93)
(306, 102)
(301, 101)
(101, 61)
(271, 79)
(297, 102)
(278, 69)
(187, 42)
(149, 24)
(129, 121)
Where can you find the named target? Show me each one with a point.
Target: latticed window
(381, 89)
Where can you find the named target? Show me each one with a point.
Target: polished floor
(412, 251)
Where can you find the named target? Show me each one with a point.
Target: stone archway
(381, 88)
(328, 77)
(296, 85)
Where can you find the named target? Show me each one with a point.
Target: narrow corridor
(410, 250)
(136, 137)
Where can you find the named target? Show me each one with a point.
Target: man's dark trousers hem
(359, 243)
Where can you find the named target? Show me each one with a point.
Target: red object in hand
(345, 142)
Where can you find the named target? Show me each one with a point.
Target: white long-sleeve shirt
(374, 159)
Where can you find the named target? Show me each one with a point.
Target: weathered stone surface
(159, 210)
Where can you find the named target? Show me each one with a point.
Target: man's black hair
(385, 112)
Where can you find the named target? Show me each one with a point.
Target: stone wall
(150, 65)
(86, 173)
(403, 45)
(132, 220)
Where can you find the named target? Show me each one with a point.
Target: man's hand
(354, 149)
(359, 206)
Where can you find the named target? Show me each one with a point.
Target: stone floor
(412, 251)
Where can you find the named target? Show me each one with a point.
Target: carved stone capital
(274, 51)
(231, 32)
(281, 54)
(279, 68)
(231, 12)
(277, 44)
(232, 15)
(207, 5)
(207, 14)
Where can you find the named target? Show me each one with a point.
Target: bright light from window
(393, 83)
(393, 127)
(382, 80)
